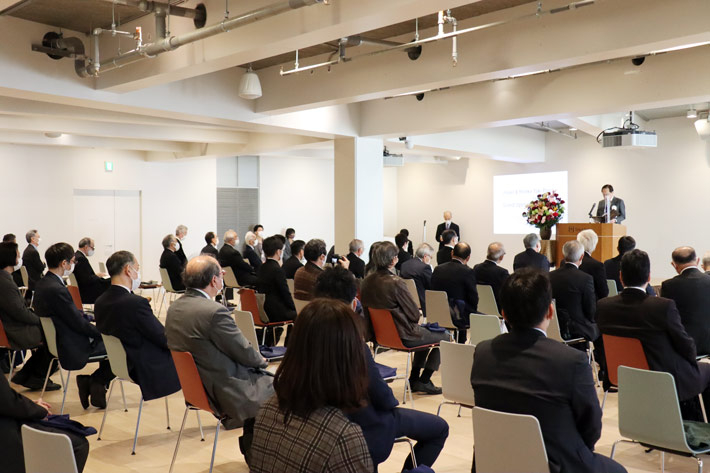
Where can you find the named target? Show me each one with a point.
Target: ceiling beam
(34, 138)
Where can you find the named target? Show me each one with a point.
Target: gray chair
(230, 281)
(554, 332)
(25, 281)
(437, 310)
(412, 286)
(487, 300)
(168, 290)
(495, 432)
(483, 327)
(300, 305)
(613, 290)
(245, 323)
(291, 286)
(47, 452)
(456, 365)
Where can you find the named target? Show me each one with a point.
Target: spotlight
(637, 61)
(52, 134)
(420, 97)
(692, 113)
(250, 86)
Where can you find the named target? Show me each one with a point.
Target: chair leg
(700, 465)
(604, 400)
(12, 364)
(263, 336)
(66, 388)
(663, 461)
(177, 445)
(411, 449)
(459, 414)
(407, 385)
(702, 407)
(167, 412)
(613, 447)
(108, 402)
(214, 446)
(123, 395)
(46, 378)
(138, 423)
(199, 422)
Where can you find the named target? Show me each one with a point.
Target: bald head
(684, 257)
(447, 215)
(495, 252)
(462, 252)
(203, 272)
(230, 237)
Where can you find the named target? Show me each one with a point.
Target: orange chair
(76, 297)
(250, 304)
(5, 343)
(387, 336)
(195, 397)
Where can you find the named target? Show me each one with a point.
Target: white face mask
(303, 261)
(216, 243)
(67, 272)
(39, 240)
(90, 253)
(448, 221)
(18, 265)
(135, 283)
(260, 232)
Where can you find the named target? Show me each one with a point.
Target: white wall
(665, 190)
(390, 201)
(38, 193)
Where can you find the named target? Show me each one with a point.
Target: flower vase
(546, 233)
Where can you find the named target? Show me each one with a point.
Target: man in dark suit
(271, 281)
(357, 265)
(129, 318)
(446, 225)
(419, 269)
(295, 262)
(524, 372)
(691, 292)
(531, 257)
(171, 262)
(612, 266)
(77, 338)
(410, 248)
(459, 283)
(304, 281)
(230, 256)
(90, 284)
(654, 321)
(402, 245)
(449, 239)
(180, 234)
(706, 262)
(250, 252)
(589, 265)
(611, 208)
(490, 272)
(211, 246)
(573, 290)
(32, 261)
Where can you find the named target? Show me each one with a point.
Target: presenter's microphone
(592, 209)
(425, 223)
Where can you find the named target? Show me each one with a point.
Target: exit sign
(108, 166)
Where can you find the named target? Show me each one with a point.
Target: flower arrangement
(545, 211)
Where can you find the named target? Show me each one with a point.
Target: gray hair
(249, 237)
(200, 271)
(30, 235)
(86, 241)
(496, 250)
(180, 229)
(384, 254)
(424, 249)
(588, 239)
(168, 240)
(356, 245)
(706, 261)
(119, 260)
(531, 240)
(229, 235)
(573, 251)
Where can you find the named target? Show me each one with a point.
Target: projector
(629, 138)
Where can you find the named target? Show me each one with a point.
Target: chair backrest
(483, 327)
(291, 286)
(613, 290)
(300, 305)
(50, 334)
(165, 280)
(102, 267)
(117, 357)
(624, 351)
(437, 308)
(72, 280)
(47, 452)
(76, 296)
(245, 322)
(249, 302)
(385, 330)
(4, 341)
(412, 286)
(494, 432)
(456, 365)
(553, 330)
(192, 388)
(25, 276)
(486, 300)
(648, 408)
(230, 280)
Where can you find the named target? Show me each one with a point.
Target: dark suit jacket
(170, 261)
(21, 325)
(596, 270)
(402, 257)
(656, 322)
(531, 259)
(251, 255)
(524, 372)
(691, 292)
(278, 303)
(129, 318)
(76, 336)
(612, 267)
(576, 305)
(441, 228)
(620, 209)
(210, 250)
(180, 253)
(459, 283)
(489, 273)
(357, 265)
(444, 255)
(421, 273)
(90, 285)
(35, 267)
(230, 256)
(292, 265)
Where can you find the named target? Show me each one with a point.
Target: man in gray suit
(611, 208)
(232, 371)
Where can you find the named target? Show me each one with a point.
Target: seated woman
(322, 377)
(383, 290)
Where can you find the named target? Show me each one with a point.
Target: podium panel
(609, 234)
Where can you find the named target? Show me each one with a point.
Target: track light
(250, 86)
(53, 134)
(692, 113)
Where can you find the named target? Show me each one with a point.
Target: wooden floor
(156, 444)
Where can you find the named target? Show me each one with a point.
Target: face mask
(216, 243)
(260, 232)
(447, 221)
(67, 272)
(303, 261)
(39, 240)
(135, 283)
(18, 265)
(91, 253)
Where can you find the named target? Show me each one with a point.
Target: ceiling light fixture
(692, 113)
(515, 76)
(572, 128)
(249, 85)
(52, 134)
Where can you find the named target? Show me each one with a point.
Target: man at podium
(610, 209)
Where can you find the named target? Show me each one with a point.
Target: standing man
(90, 284)
(447, 225)
(611, 208)
(181, 233)
(32, 261)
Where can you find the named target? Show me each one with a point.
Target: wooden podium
(609, 234)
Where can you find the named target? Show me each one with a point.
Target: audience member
(180, 234)
(446, 225)
(290, 237)
(690, 290)
(384, 290)
(296, 260)
(410, 248)
(9, 238)
(531, 257)
(77, 338)
(524, 372)
(589, 265)
(357, 265)
(231, 370)
(129, 318)
(490, 273)
(419, 269)
(459, 282)
(402, 245)
(706, 262)
(304, 426)
(21, 325)
(91, 285)
(258, 231)
(381, 421)
(229, 256)
(171, 262)
(304, 280)
(370, 266)
(211, 246)
(252, 252)
(612, 267)
(271, 281)
(32, 262)
(449, 240)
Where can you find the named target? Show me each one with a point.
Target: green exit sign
(108, 166)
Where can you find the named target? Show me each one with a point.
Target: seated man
(448, 240)
(612, 267)
(294, 263)
(230, 256)
(654, 321)
(22, 326)
(90, 284)
(531, 257)
(381, 420)
(402, 243)
(271, 281)
(32, 262)
(419, 269)
(706, 262)
(180, 235)
(304, 281)
(9, 238)
(290, 237)
(129, 318)
(589, 265)
(357, 265)
(231, 370)
(524, 372)
(459, 282)
(77, 338)
(252, 250)
(211, 246)
(691, 292)
(490, 272)
(171, 262)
